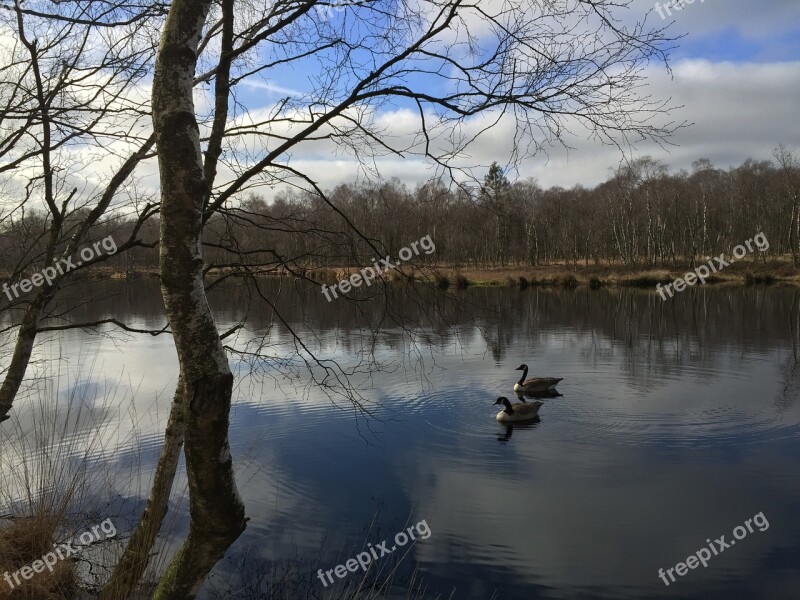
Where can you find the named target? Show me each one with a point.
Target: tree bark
(23, 349)
(216, 510)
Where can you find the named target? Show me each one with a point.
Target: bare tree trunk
(794, 233)
(22, 355)
(216, 510)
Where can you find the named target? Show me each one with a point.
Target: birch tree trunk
(216, 510)
(23, 349)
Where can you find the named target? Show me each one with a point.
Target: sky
(735, 76)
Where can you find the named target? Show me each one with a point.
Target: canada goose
(517, 412)
(536, 384)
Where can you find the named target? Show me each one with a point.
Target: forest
(644, 215)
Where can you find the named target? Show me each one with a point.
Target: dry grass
(558, 274)
(24, 541)
(601, 275)
(54, 485)
(645, 279)
(252, 577)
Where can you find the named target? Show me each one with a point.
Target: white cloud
(737, 111)
(753, 20)
(271, 87)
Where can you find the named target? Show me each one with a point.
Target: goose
(536, 384)
(517, 412)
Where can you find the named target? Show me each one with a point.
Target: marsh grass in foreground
(55, 482)
(256, 578)
(25, 540)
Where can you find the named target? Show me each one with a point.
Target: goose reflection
(538, 395)
(509, 429)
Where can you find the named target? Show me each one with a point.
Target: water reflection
(538, 395)
(675, 421)
(509, 429)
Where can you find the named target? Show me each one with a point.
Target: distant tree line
(643, 215)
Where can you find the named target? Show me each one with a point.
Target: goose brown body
(535, 384)
(521, 411)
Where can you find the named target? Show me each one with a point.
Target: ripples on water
(677, 422)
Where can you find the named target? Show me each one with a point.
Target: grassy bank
(572, 276)
(553, 275)
(597, 276)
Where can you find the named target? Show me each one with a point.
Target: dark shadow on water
(505, 437)
(538, 395)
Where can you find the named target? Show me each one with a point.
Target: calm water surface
(677, 422)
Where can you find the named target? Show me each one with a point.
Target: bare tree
(60, 92)
(217, 512)
(790, 170)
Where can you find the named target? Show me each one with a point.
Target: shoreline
(599, 276)
(595, 276)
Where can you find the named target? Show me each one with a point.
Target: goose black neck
(524, 375)
(509, 409)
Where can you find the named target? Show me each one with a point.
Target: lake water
(678, 421)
